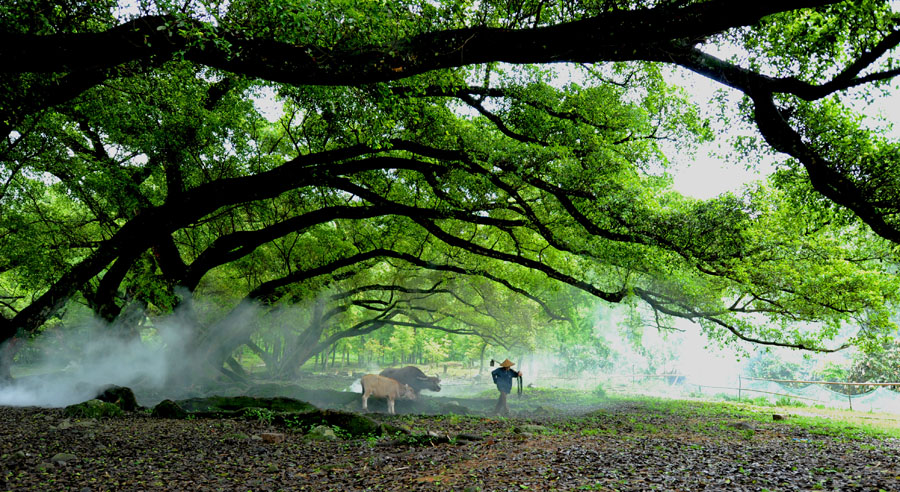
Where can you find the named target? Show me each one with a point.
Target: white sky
(705, 175)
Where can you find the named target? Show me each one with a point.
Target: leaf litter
(627, 447)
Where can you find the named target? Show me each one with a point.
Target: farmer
(503, 377)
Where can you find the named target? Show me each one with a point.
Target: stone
(120, 396)
(272, 437)
(62, 457)
(468, 437)
(530, 429)
(321, 433)
(455, 408)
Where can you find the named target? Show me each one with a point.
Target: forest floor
(628, 444)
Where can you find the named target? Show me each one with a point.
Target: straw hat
(507, 363)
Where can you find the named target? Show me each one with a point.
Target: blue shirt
(503, 378)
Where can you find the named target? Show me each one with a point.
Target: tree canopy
(445, 165)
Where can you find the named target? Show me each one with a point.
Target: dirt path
(626, 447)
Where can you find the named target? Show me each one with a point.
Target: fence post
(739, 387)
(850, 399)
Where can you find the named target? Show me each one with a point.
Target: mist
(74, 365)
(63, 366)
(79, 359)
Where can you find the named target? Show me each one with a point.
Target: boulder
(168, 409)
(530, 429)
(120, 396)
(228, 406)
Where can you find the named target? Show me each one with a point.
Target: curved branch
(753, 83)
(830, 183)
(529, 263)
(688, 312)
(498, 122)
(617, 35)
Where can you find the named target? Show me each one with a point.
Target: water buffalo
(382, 387)
(414, 377)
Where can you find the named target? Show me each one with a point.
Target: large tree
(135, 160)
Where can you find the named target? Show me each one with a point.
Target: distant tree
(767, 365)
(833, 371)
(876, 367)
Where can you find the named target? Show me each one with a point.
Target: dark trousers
(502, 408)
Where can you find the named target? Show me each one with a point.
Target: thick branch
(613, 36)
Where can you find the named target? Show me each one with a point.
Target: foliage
(878, 367)
(769, 365)
(832, 371)
(413, 186)
(263, 415)
(786, 401)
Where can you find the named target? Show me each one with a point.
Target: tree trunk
(8, 350)
(481, 367)
(237, 368)
(269, 360)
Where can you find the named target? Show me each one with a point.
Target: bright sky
(706, 176)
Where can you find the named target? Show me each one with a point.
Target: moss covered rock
(234, 405)
(168, 409)
(321, 433)
(94, 409)
(120, 396)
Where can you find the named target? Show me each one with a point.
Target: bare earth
(626, 447)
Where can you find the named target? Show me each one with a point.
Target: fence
(880, 399)
(892, 399)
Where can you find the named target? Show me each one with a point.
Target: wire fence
(879, 399)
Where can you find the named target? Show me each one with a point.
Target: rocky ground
(628, 446)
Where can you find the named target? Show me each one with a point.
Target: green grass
(831, 422)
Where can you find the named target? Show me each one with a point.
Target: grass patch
(830, 422)
(851, 425)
